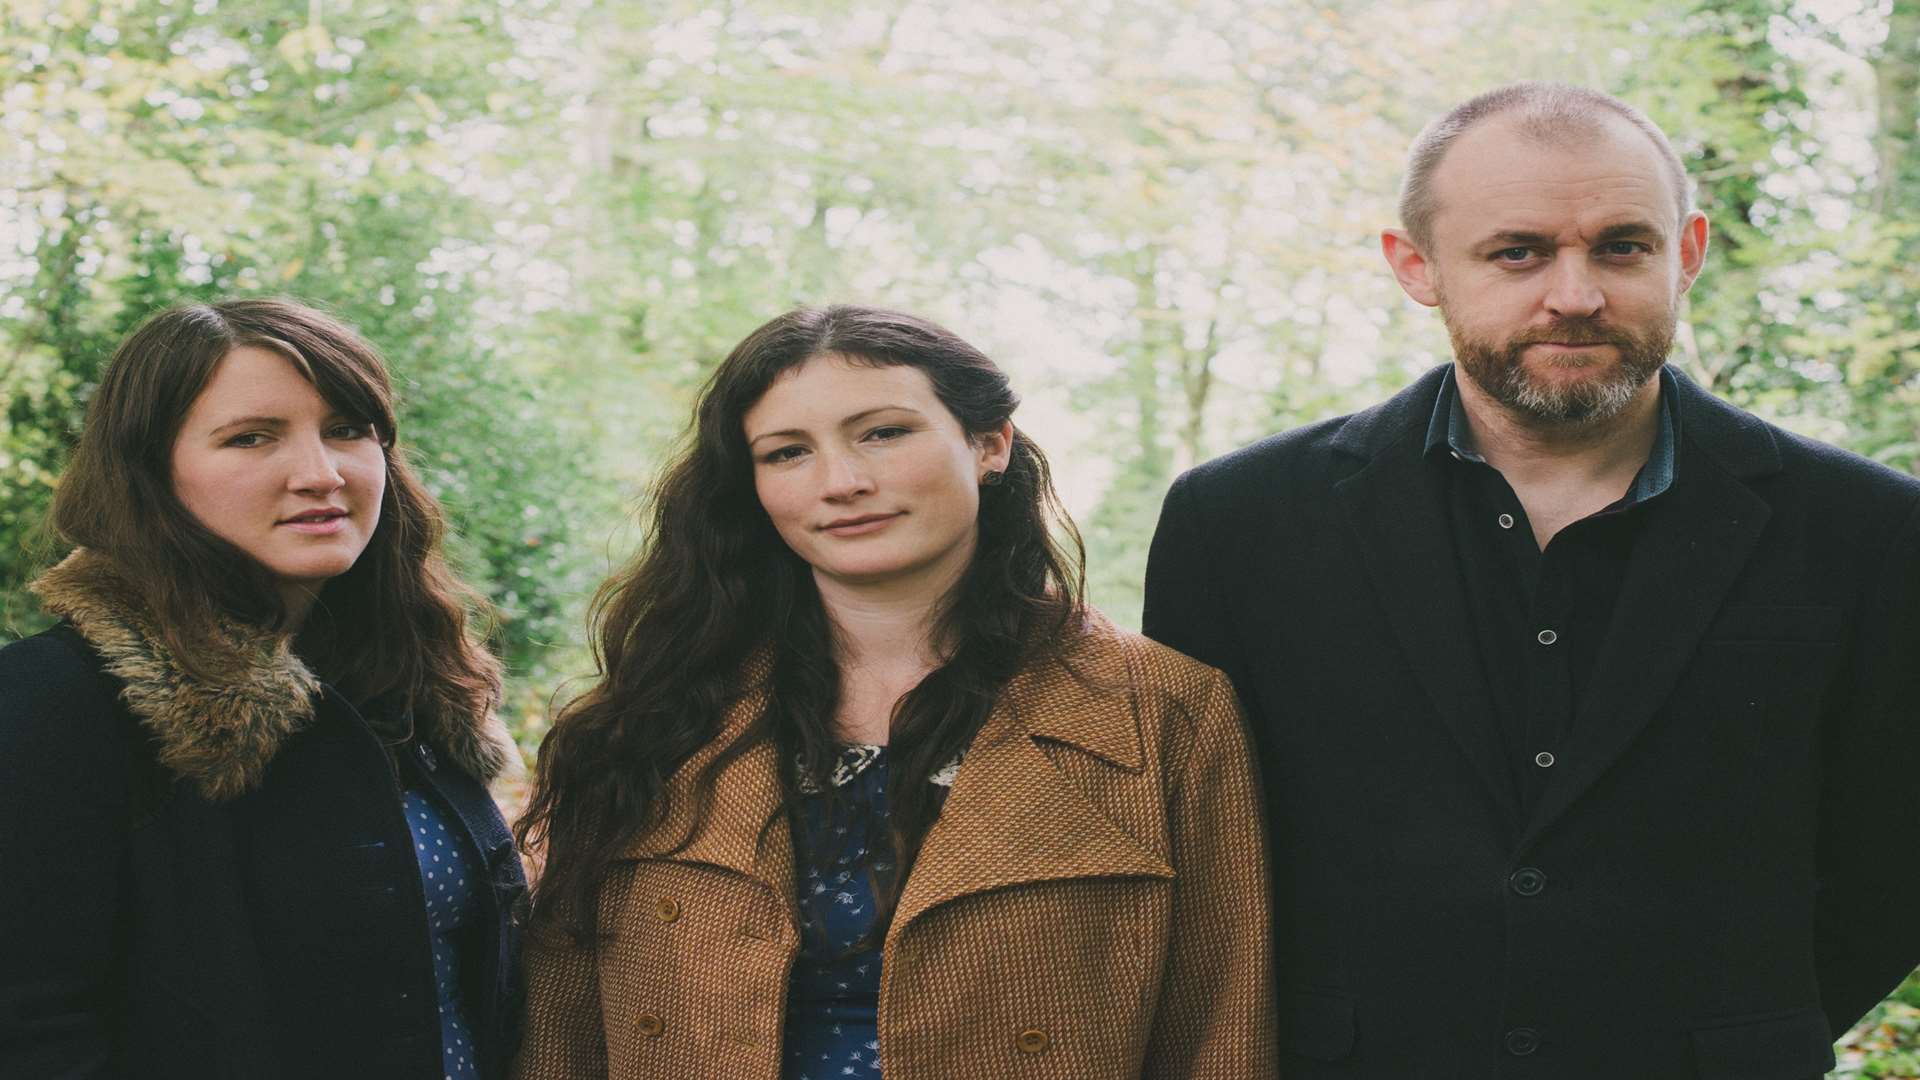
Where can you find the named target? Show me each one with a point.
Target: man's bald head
(1551, 113)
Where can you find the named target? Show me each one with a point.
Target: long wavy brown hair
(395, 625)
(714, 591)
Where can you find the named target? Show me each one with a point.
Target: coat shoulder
(53, 679)
(1152, 673)
(66, 739)
(1257, 464)
(1845, 474)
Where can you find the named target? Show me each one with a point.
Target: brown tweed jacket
(1091, 904)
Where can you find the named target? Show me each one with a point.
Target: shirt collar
(1448, 431)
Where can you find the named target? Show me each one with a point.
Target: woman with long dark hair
(242, 798)
(864, 787)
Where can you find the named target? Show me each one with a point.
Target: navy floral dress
(833, 996)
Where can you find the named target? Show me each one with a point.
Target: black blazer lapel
(1399, 526)
(1692, 548)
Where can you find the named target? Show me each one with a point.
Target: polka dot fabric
(448, 878)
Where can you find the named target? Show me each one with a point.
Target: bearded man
(1586, 703)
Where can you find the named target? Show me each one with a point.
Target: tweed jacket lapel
(1012, 817)
(744, 830)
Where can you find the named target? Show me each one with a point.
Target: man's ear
(1410, 266)
(1693, 248)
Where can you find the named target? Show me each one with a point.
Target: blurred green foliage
(556, 215)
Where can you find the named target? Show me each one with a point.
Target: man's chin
(1572, 401)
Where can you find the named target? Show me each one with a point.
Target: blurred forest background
(555, 215)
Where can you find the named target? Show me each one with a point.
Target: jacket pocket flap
(1322, 1027)
(1781, 1046)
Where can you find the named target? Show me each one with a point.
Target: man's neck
(1563, 472)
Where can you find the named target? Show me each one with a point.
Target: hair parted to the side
(396, 623)
(1549, 112)
(714, 588)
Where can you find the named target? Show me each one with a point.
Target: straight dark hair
(394, 625)
(714, 592)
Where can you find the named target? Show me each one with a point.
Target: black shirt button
(1527, 881)
(1522, 1041)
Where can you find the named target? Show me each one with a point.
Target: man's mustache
(1572, 332)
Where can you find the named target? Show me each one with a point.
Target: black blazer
(1721, 874)
(149, 928)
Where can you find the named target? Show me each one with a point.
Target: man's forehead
(1501, 176)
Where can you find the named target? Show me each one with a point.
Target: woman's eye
(246, 439)
(350, 431)
(890, 432)
(784, 453)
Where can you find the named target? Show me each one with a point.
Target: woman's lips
(316, 526)
(860, 526)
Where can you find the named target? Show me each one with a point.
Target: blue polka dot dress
(451, 883)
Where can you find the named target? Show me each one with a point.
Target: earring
(992, 477)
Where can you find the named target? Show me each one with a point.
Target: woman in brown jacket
(864, 788)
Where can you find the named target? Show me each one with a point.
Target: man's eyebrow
(847, 422)
(1627, 230)
(1516, 236)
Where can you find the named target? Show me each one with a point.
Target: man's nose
(1572, 290)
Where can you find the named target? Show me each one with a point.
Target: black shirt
(1540, 618)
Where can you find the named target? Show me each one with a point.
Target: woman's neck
(884, 643)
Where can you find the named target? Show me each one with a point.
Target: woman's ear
(992, 450)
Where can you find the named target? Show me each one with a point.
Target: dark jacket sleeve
(1868, 938)
(1183, 608)
(63, 837)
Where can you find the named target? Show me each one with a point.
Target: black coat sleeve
(64, 747)
(1183, 608)
(1868, 938)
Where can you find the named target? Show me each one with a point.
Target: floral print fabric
(833, 994)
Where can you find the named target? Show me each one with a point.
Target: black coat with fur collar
(216, 881)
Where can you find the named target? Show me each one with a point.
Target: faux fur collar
(219, 734)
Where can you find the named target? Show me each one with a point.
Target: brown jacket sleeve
(564, 1038)
(1216, 1016)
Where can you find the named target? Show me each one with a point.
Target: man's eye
(1513, 254)
(1624, 247)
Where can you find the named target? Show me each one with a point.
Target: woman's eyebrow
(275, 422)
(848, 422)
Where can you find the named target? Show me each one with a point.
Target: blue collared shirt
(1448, 430)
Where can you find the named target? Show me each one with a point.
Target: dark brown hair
(393, 624)
(714, 592)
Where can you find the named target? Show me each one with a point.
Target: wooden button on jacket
(1091, 904)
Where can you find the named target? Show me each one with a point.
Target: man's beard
(1498, 368)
